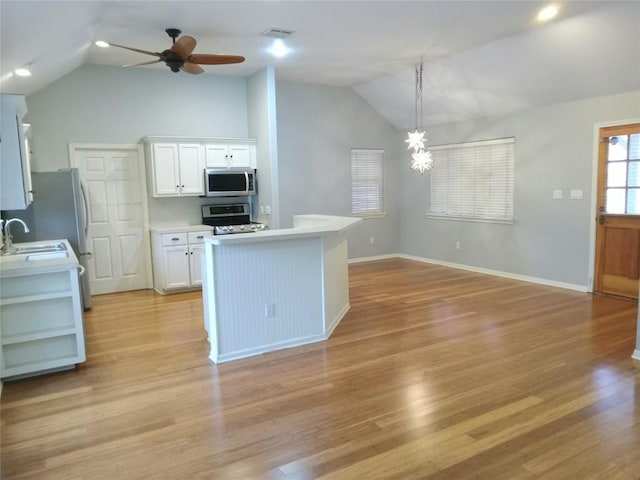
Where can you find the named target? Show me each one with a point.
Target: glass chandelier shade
(421, 159)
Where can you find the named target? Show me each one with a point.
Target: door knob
(601, 219)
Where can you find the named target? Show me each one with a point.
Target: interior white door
(116, 221)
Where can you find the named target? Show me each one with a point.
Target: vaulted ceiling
(481, 58)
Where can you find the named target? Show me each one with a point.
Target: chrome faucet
(8, 248)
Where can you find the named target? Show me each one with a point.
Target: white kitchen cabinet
(176, 267)
(230, 155)
(176, 169)
(15, 170)
(191, 168)
(176, 260)
(41, 327)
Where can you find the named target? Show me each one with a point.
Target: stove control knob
(241, 227)
(224, 229)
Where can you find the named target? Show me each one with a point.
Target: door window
(622, 194)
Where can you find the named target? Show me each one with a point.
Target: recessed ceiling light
(547, 13)
(278, 49)
(22, 72)
(102, 44)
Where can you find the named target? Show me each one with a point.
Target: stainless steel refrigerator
(59, 210)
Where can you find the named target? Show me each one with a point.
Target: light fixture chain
(417, 94)
(420, 95)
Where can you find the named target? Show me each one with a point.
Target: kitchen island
(275, 289)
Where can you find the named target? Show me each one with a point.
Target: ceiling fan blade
(184, 46)
(155, 54)
(192, 68)
(142, 63)
(211, 59)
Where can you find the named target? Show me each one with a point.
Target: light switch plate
(577, 194)
(557, 194)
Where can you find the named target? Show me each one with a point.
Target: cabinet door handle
(200, 237)
(191, 253)
(186, 253)
(175, 239)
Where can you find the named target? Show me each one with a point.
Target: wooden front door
(617, 268)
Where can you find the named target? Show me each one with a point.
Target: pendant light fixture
(421, 159)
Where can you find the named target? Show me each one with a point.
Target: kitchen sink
(46, 256)
(59, 248)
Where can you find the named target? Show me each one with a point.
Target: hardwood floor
(434, 373)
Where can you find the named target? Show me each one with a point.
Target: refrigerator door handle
(85, 209)
(82, 270)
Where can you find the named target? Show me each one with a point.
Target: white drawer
(198, 237)
(174, 239)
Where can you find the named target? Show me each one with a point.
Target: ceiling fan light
(547, 13)
(22, 72)
(101, 44)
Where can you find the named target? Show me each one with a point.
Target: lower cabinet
(41, 326)
(176, 260)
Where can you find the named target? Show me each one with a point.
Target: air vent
(277, 33)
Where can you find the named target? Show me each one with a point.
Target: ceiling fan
(179, 56)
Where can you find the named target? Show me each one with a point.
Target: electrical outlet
(576, 194)
(557, 194)
(267, 209)
(372, 240)
(458, 245)
(269, 310)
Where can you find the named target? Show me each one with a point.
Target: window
(473, 181)
(623, 175)
(367, 182)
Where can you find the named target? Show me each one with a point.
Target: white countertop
(177, 228)
(304, 226)
(12, 265)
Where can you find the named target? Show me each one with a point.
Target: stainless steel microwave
(229, 182)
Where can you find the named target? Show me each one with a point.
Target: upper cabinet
(229, 155)
(176, 169)
(15, 172)
(176, 165)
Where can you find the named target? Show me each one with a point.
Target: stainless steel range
(230, 218)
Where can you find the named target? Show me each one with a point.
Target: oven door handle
(246, 182)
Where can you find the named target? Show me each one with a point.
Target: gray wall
(550, 238)
(317, 128)
(99, 104)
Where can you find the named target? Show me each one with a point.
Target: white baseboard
(250, 352)
(336, 321)
(636, 354)
(497, 273)
(371, 259)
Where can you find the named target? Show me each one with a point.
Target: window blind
(367, 183)
(473, 180)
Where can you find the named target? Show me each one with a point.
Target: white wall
(100, 104)
(317, 128)
(261, 98)
(550, 238)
